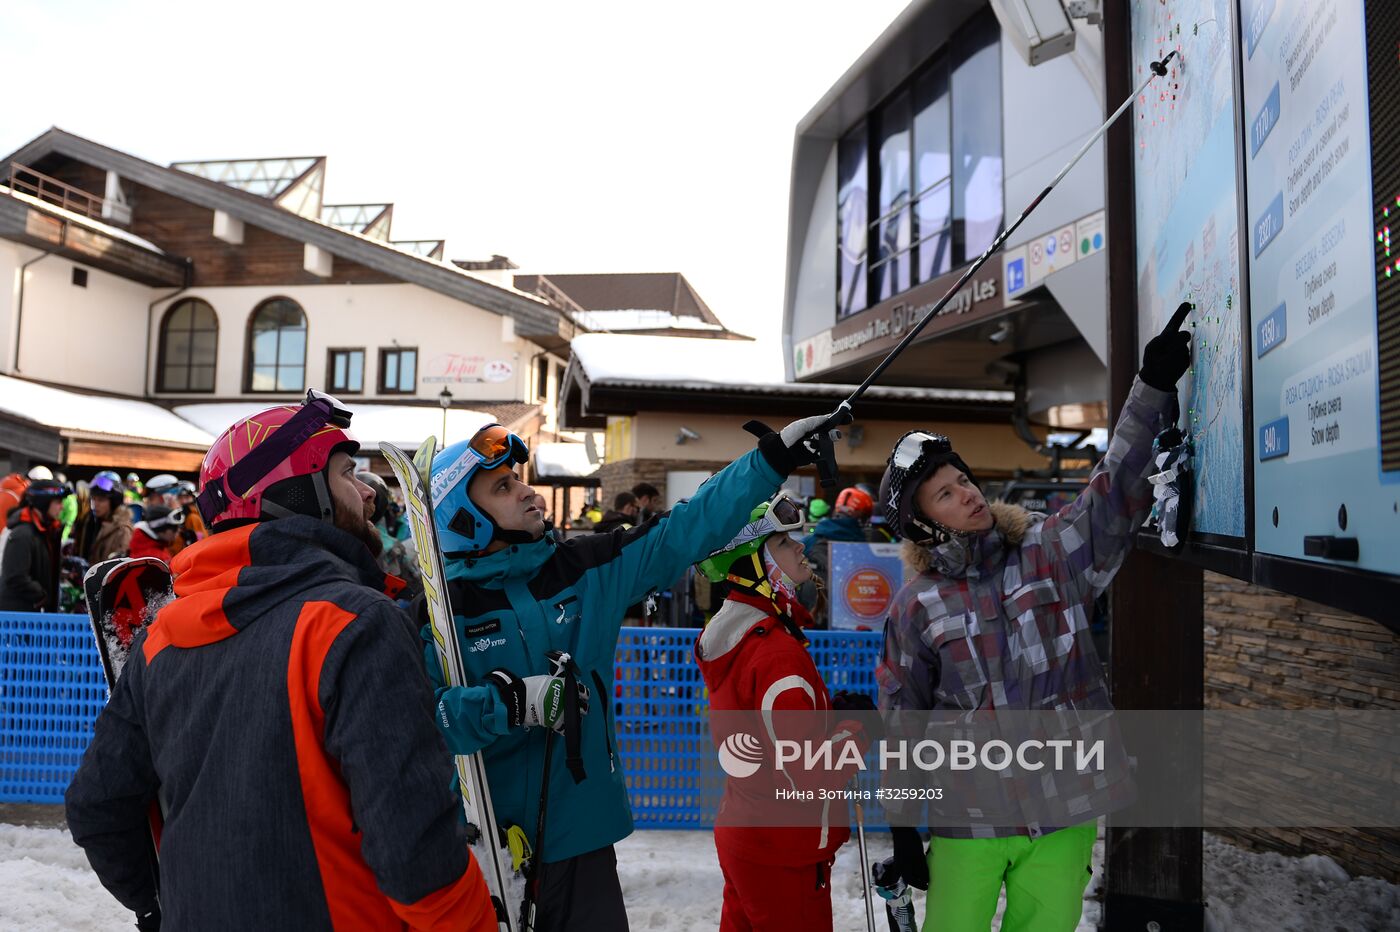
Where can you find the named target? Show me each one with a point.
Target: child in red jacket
(753, 657)
(153, 536)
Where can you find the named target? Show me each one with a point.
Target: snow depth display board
(1187, 213)
(1322, 486)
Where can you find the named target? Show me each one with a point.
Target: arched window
(189, 343)
(277, 347)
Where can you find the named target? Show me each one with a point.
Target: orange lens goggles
(495, 445)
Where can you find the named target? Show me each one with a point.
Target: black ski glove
(909, 856)
(792, 447)
(1167, 356)
(868, 717)
(844, 701)
(149, 921)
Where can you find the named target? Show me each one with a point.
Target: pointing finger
(1179, 317)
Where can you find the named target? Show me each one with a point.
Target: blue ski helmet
(461, 525)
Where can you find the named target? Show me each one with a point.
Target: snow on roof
(563, 459)
(81, 220)
(632, 319)
(97, 414)
(402, 425)
(703, 363)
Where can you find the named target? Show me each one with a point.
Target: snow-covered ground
(672, 883)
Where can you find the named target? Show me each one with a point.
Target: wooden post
(1157, 629)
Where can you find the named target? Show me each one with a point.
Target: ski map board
(507, 886)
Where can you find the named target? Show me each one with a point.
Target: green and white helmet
(777, 516)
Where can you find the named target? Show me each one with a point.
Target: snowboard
(507, 885)
(122, 596)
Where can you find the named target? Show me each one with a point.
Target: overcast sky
(573, 137)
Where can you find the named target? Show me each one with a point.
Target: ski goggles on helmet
(107, 483)
(175, 519)
(316, 412)
(495, 445)
(916, 445)
(781, 515)
(489, 447)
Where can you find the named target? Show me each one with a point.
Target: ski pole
(864, 868)
(1159, 69)
(561, 664)
(532, 883)
(826, 464)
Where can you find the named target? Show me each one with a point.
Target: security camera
(1003, 331)
(684, 434)
(1041, 29)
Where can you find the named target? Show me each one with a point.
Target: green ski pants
(1045, 880)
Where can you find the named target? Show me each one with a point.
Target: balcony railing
(26, 180)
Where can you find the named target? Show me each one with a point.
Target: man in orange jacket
(279, 712)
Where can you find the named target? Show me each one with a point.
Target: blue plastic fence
(51, 689)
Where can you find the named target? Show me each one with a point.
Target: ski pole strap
(573, 717)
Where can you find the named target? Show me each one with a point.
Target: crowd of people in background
(53, 530)
(43, 557)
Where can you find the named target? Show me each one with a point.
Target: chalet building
(210, 289)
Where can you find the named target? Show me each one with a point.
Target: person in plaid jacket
(996, 617)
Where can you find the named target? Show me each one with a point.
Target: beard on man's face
(353, 521)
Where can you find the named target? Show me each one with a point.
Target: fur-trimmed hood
(954, 557)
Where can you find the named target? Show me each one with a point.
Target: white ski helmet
(917, 455)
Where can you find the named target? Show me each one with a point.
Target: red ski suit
(145, 544)
(775, 878)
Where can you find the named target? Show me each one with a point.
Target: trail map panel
(1188, 238)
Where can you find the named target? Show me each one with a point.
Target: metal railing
(36, 184)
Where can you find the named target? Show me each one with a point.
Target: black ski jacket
(280, 709)
(29, 565)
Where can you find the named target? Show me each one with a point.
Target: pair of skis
(513, 900)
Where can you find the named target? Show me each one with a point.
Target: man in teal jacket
(517, 594)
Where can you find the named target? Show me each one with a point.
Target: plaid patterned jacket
(1000, 622)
